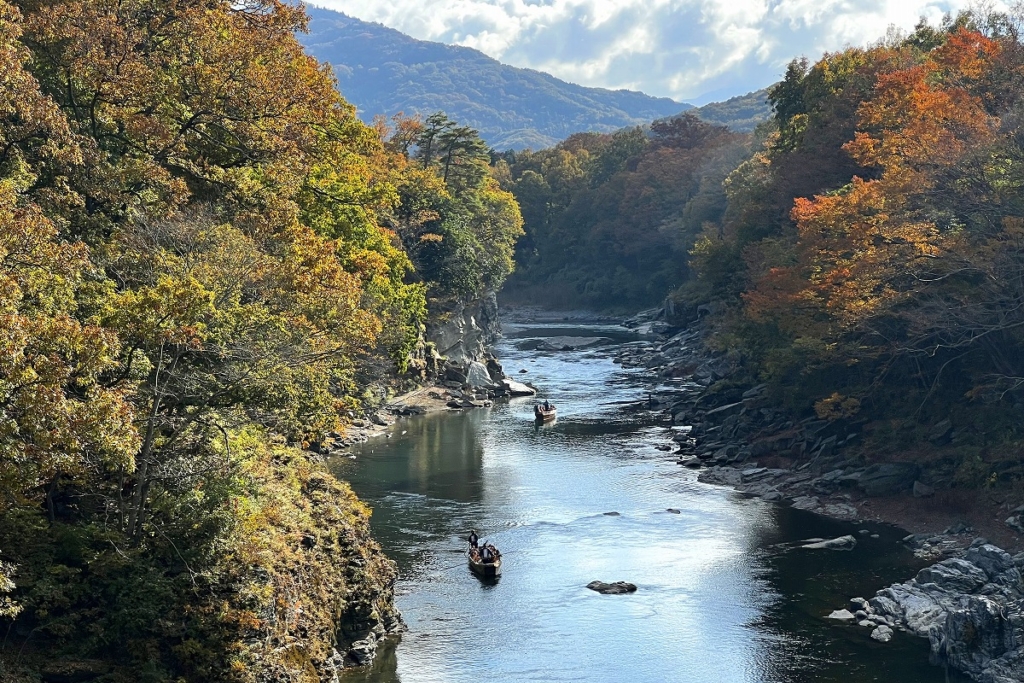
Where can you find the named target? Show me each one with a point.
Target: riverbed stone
(805, 502)
(859, 604)
(615, 588)
(570, 343)
(882, 634)
(842, 543)
(991, 559)
(842, 615)
(518, 388)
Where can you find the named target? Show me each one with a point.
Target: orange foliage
(857, 249)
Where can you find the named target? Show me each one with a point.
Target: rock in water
(882, 633)
(841, 543)
(842, 615)
(570, 343)
(971, 609)
(518, 388)
(616, 588)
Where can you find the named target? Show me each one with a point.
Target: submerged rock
(841, 543)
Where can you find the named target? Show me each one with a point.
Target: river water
(717, 601)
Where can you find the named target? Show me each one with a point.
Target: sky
(690, 50)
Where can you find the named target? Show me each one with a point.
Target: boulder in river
(842, 543)
(882, 633)
(971, 609)
(518, 388)
(616, 588)
(842, 615)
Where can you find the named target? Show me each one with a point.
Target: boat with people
(544, 412)
(487, 570)
(484, 558)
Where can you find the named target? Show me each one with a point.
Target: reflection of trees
(439, 461)
(446, 457)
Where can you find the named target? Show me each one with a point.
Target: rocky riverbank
(970, 605)
(456, 386)
(970, 608)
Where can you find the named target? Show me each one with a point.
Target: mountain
(383, 71)
(741, 113)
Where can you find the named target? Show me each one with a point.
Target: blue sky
(690, 50)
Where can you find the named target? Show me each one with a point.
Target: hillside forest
(861, 254)
(207, 262)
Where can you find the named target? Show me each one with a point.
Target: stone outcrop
(971, 610)
(463, 334)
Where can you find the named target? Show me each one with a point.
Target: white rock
(842, 615)
(477, 375)
(841, 543)
(518, 388)
(882, 634)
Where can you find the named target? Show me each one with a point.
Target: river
(717, 600)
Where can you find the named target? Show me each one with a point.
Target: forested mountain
(207, 264)
(742, 113)
(382, 71)
(862, 256)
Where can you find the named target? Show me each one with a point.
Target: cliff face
(462, 335)
(282, 582)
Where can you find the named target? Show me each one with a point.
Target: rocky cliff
(463, 333)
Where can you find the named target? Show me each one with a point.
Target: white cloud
(674, 48)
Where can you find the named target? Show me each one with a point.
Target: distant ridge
(742, 113)
(383, 71)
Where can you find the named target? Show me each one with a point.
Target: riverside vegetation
(860, 255)
(207, 264)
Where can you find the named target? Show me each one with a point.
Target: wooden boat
(486, 570)
(542, 415)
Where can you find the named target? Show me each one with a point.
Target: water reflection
(716, 600)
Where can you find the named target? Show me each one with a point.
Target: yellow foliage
(836, 407)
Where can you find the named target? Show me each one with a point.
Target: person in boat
(474, 555)
(494, 551)
(473, 539)
(547, 406)
(486, 554)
